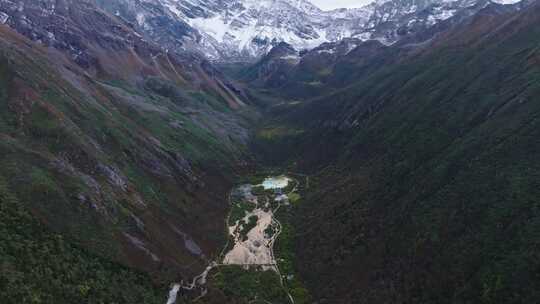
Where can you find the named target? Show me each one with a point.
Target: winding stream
(253, 236)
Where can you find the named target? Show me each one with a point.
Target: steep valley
(353, 172)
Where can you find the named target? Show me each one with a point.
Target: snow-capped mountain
(236, 28)
(248, 29)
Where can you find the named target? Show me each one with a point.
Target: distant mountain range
(302, 73)
(241, 30)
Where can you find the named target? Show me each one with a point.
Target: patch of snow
(330, 51)
(294, 58)
(442, 14)
(140, 19)
(3, 17)
(215, 27)
(506, 2)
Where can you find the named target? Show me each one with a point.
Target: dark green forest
(426, 173)
(39, 266)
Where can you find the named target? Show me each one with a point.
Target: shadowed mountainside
(425, 171)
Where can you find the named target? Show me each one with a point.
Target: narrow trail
(248, 249)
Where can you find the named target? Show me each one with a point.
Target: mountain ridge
(245, 30)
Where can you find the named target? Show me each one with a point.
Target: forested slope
(115, 158)
(426, 173)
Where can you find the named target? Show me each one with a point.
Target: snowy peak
(243, 30)
(248, 28)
